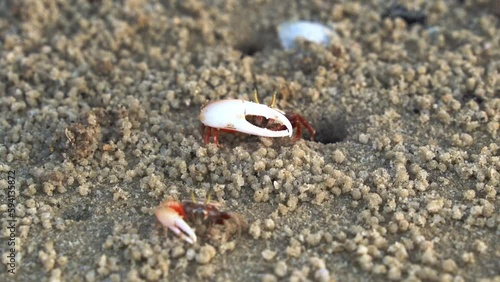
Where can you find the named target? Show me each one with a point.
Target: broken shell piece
(288, 32)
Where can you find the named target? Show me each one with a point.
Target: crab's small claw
(230, 115)
(169, 215)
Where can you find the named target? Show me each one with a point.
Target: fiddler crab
(234, 115)
(172, 215)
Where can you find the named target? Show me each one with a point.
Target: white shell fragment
(288, 32)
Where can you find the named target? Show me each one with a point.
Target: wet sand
(99, 124)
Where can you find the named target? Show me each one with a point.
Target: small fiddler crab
(173, 215)
(234, 115)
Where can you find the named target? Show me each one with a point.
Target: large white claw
(169, 218)
(230, 114)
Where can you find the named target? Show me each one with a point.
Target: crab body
(173, 215)
(230, 115)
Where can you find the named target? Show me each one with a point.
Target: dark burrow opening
(331, 128)
(251, 42)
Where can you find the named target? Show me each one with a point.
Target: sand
(99, 124)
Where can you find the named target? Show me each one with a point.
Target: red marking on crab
(208, 131)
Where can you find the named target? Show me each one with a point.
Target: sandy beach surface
(99, 125)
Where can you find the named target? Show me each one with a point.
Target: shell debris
(288, 32)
